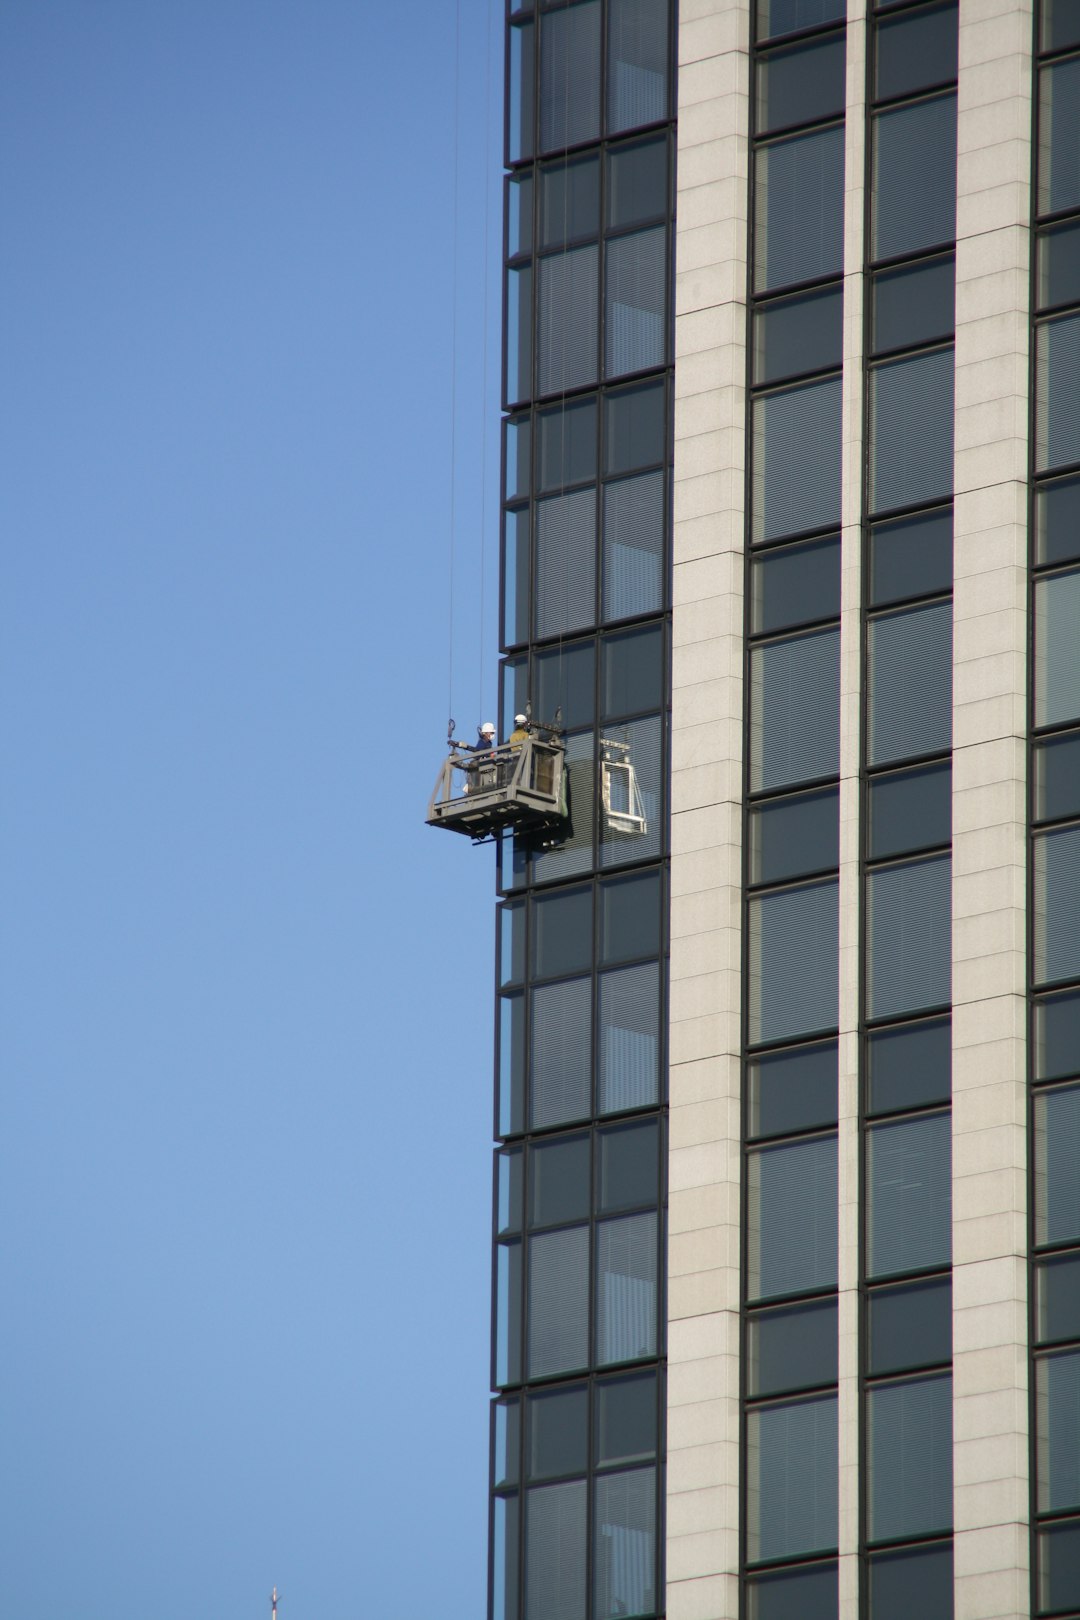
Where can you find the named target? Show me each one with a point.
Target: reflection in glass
(566, 684)
(516, 577)
(631, 672)
(507, 1448)
(508, 1313)
(519, 333)
(511, 1064)
(635, 432)
(509, 1193)
(631, 784)
(521, 93)
(505, 1552)
(575, 852)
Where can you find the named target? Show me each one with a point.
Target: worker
(521, 729)
(486, 740)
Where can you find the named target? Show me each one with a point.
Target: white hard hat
(488, 728)
(521, 719)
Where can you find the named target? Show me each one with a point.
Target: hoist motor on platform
(519, 787)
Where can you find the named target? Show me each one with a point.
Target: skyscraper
(787, 1230)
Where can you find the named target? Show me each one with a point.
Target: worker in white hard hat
(485, 740)
(479, 776)
(521, 729)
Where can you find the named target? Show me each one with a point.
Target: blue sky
(246, 992)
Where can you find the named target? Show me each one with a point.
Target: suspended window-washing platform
(519, 788)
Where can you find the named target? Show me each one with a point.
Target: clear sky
(246, 993)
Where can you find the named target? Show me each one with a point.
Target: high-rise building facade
(787, 1195)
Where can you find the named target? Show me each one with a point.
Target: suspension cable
(484, 350)
(453, 350)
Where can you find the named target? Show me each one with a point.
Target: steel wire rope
(484, 350)
(453, 359)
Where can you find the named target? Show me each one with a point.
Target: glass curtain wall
(1055, 816)
(578, 1347)
(791, 834)
(906, 1352)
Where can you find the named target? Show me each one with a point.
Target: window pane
(910, 1326)
(788, 16)
(914, 305)
(796, 335)
(569, 201)
(560, 1053)
(910, 683)
(910, 557)
(566, 684)
(1059, 136)
(795, 710)
(795, 836)
(791, 1486)
(562, 933)
(793, 959)
(507, 1437)
(559, 1181)
(915, 177)
(1057, 392)
(919, 1582)
(1057, 777)
(1057, 648)
(1057, 521)
(916, 50)
(558, 1430)
(799, 209)
(909, 1067)
(504, 1559)
(1059, 1566)
(1057, 1165)
(794, 1090)
(800, 1594)
(567, 333)
(629, 917)
(910, 810)
(565, 562)
(519, 333)
(796, 585)
(511, 943)
(910, 927)
(637, 63)
(625, 1544)
(792, 1218)
(909, 1218)
(631, 672)
(1057, 1293)
(511, 1064)
(796, 460)
(555, 1568)
(516, 577)
(791, 1349)
(575, 852)
(637, 182)
(519, 213)
(911, 430)
(518, 458)
(509, 1191)
(625, 1419)
(910, 1447)
(801, 84)
(626, 1289)
(635, 427)
(1059, 24)
(566, 444)
(558, 1301)
(1057, 1425)
(1057, 905)
(629, 1167)
(522, 95)
(1059, 266)
(1057, 1037)
(570, 76)
(631, 758)
(629, 1038)
(633, 546)
(508, 1313)
(635, 309)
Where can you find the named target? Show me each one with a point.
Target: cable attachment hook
(450, 733)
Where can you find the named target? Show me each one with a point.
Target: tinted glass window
(792, 1458)
(521, 95)
(635, 303)
(1059, 1567)
(910, 1326)
(518, 457)
(910, 683)
(568, 320)
(1057, 1036)
(626, 1289)
(559, 1181)
(519, 313)
(626, 1419)
(791, 1349)
(570, 76)
(793, 1091)
(910, 557)
(556, 1568)
(801, 84)
(796, 585)
(1057, 648)
(628, 1166)
(909, 1225)
(796, 453)
(637, 63)
(1057, 520)
(629, 1056)
(511, 1063)
(1059, 156)
(1057, 1296)
(1059, 266)
(1057, 405)
(511, 944)
(911, 430)
(794, 837)
(1057, 777)
(797, 335)
(1057, 1165)
(910, 1457)
(558, 1302)
(519, 213)
(637, 182)
(629, 917)
(909, 923)
(811, 1594)
(632, 672)
(633, 573)
(562, 933)
(566, 445)
(625, 1516)
(787, 16)
(792, 1218)
(916, 50)
(909, 1067)
(1057, 905)
(558, 1430)
(914, 305)
(919, 1582)
(1059, 24)
(795, 710)
(799, 209)
(914, 177)
(510, 1189)
(566, 683)
(508, 1313)
(507, 1442)
(1057, 1396)
(569, 201)
(565, 563)
(634, 428)
(910, 810)
(559, 1052)
(631, 821)
(793, 945)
